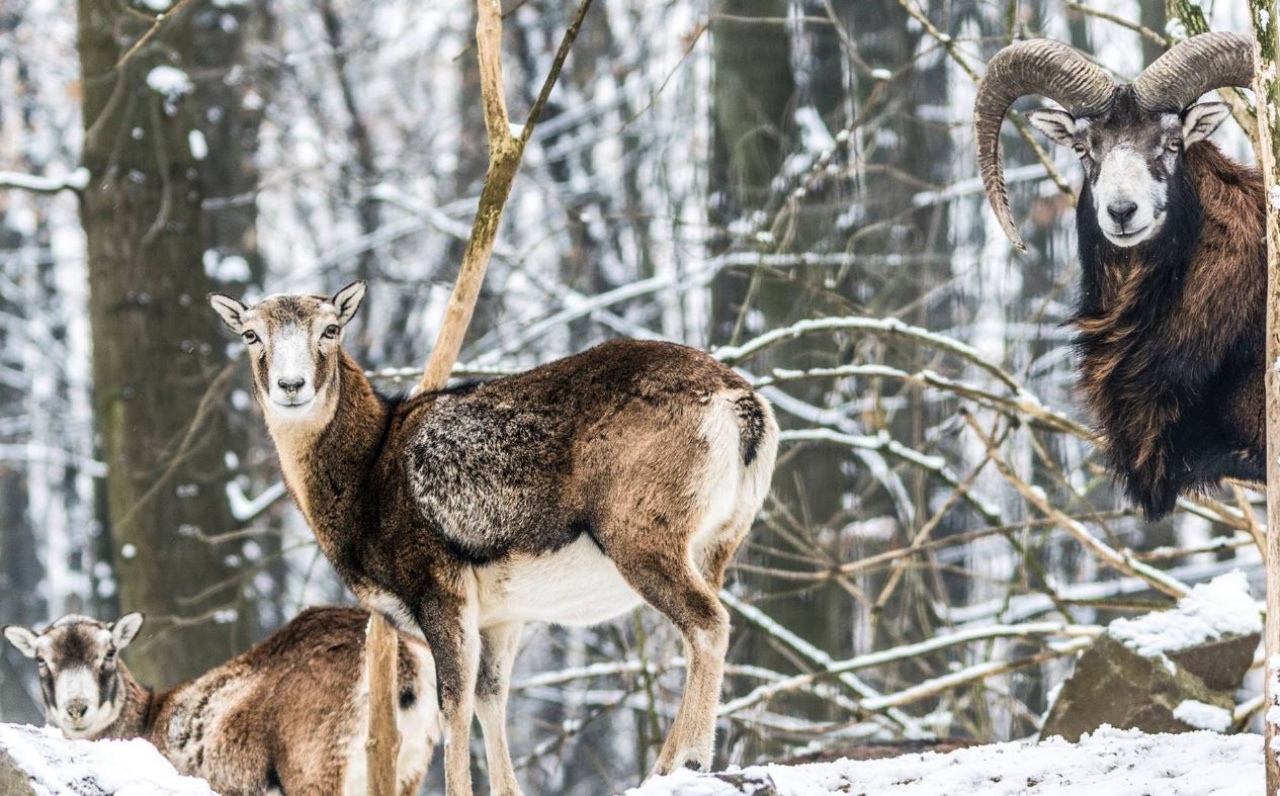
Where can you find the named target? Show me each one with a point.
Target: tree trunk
(159, 362)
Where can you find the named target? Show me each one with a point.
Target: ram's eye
(1175, 145)
(41, 662)
(1080, 149)
(250, 337)
(110, 656)
(331, 331)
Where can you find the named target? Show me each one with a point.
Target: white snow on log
(59, 767)
(169, 81)
(1110, 762)
(245, 508)
(1221, 607)
(76, 180)
(1202, 715)
(199, 146)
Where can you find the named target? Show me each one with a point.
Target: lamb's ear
(1059, 126)
(230, 310)
(22, 638)
(1199, 121)
(348, 301)
(124, 629)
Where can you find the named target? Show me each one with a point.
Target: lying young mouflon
(630, 472)
(288, 716)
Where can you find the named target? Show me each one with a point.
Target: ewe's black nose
(291, 385)
(77, 708)
(1122, 212)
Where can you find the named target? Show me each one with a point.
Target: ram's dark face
(1129, 158)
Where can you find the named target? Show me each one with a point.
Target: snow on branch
(900, 653)
(75, 181)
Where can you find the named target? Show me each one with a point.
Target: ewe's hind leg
(671, 584)
(498, 647)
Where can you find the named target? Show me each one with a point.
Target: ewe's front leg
(454, 636)
(498, 647)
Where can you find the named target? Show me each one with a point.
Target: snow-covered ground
(59, 767)
(1109, 763)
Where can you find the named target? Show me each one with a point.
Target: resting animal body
(289, 716)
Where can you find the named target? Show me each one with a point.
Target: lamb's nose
(1122, 212)
(291, 385)
(76, 709)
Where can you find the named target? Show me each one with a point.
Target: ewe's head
(1130, 137)
(294, 343)
(79, 670)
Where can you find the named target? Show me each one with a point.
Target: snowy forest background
(790, 183)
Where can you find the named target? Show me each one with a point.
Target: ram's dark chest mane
(1127, 295)
(1170, 335)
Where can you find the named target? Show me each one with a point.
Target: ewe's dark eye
(110, 656)
(250, 337)
(331, 331)
(1175, 145)
(40, 662)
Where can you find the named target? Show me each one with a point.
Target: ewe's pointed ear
(124, 629)
(348, 301)
(1199, 121)
(1059, 126)
(22, 638)
(230, 310)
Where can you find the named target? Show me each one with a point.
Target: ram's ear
(1199, 121)
(22, 638)
(1058, 125)
(348, 301)
(125, 629)
(230, 310)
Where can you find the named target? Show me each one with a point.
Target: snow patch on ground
(1109, 762)
(1218, 608)
(60, 767)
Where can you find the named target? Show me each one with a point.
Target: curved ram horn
(1037, 66)
(1193, 67)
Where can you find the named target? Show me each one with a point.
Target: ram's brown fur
(1171, 341)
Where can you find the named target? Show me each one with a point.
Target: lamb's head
(295, 345)
(80, 674)
(1130, 136)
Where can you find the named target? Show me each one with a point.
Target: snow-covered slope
(58, 767)
(1109, 763)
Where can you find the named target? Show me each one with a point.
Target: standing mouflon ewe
(630, 472)
(1171, 311)
(289, 715)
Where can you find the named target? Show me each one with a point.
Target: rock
(13, 780)
(1221, 664)
(1168, 671)
(1114, 685)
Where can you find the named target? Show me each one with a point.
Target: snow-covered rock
(1109, 762)
(1166, 671)
(38, 761)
